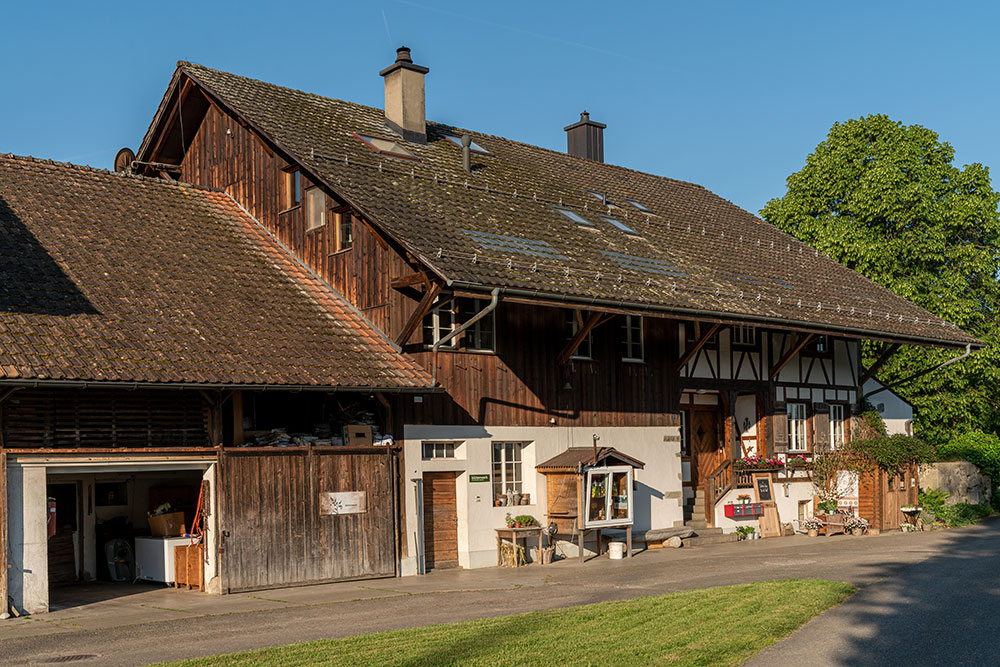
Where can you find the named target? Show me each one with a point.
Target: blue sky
(731, 95)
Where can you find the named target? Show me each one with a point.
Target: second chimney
(586, 138)
(404, 97)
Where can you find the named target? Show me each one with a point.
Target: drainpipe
(968, 351)
(494, 300)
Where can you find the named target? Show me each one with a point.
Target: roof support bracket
(582, 332)
(418, 315)
(802, 341)
(906, 380)
(696, 346)
(490, 307)
(869, 373)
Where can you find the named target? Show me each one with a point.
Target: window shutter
(821, 424)
(780, 429)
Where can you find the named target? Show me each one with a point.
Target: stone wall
(961, 479)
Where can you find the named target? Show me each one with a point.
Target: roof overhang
(213, 386)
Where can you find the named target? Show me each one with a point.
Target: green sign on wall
(479, 478)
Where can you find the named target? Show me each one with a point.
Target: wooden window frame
(288, 176)
(343, 217)
(470, 339)
(629, 343)
(308, 194)
(805, 430)
(754, 346)
(844, 423)
(690, 337)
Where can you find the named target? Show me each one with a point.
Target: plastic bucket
(616, 550)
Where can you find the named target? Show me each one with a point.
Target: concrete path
(154, 624)
(944, 610)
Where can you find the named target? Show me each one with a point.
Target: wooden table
(832, 523)
(515, 534)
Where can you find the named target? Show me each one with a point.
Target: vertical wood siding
(273, 533)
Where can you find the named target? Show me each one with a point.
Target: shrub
(982, 449)
(895, 451)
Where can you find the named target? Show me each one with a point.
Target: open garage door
(307, 515)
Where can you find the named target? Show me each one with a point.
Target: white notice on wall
(342, 502)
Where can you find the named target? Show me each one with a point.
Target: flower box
(743, 510)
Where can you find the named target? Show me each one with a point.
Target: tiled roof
(106, 277)
(497, 226)
(573, 457)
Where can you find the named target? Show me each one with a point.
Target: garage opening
(113, 533)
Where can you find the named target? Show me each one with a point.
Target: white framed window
(797, 427)
(632, 338)
(744, 336)
(315, 209)
(609, 496)
(575, 320)
(507, 472)
(439, 450)
(441, 321)
(836, 425)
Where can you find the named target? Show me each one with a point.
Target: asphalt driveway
(945, 576)
(943, 610)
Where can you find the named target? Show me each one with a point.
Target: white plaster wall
(27, 543)
(657, 499)
(896, 413)
(786, 495)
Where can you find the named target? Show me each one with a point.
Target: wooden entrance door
(704, 443)
(440, 521)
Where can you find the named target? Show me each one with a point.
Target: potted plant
(812, 526)
(745, 533)
(509, 520)
(828, 506)
(856, 525)
(743, 498)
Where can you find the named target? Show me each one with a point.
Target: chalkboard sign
(764, 489)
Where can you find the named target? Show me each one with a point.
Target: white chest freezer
(154, 557)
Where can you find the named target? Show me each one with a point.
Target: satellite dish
(124, 159)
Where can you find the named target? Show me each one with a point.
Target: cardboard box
(167, 525)
(358, 435)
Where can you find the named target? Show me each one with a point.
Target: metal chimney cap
(585, 120)
(404, 61)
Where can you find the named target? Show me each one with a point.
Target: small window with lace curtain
(315, 209)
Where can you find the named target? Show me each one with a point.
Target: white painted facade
(656, 496)
(896, 412)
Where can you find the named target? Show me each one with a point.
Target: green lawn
(713, 626)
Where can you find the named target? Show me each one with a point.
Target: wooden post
(238, 435)
(4, 609)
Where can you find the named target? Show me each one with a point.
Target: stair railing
(720, 482)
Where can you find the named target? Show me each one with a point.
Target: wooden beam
(417, 278)
(697, 345)
(869, 373)
(582, 332)
(417, 317)
(238, 435)
(788, 356)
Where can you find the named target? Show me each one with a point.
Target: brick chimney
(404, 97)
(586, 138)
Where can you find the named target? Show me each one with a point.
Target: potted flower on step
(856, 525)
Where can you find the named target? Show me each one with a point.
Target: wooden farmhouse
(350, 329)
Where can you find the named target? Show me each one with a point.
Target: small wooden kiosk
(590, 491)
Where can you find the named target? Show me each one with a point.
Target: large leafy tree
(884, 199)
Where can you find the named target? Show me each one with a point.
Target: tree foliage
(885, 199)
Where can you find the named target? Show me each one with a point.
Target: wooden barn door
(440, 521)
(281, 527)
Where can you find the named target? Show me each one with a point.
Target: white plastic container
(616, 550)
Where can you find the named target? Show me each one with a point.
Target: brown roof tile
(108, 277)
(699, 253)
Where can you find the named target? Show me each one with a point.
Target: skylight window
(645, 264)
(782, 283)
(743, 278)
(514, 244)
(578, 219)
(386, 147)
(474, 147)
(637, 205)
(618, 224)
(603, 197)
